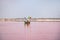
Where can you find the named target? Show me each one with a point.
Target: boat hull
(27, 22)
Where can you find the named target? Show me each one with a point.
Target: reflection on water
(32, 31)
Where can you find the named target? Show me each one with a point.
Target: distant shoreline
(32, 20)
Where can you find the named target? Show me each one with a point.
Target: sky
(33, 8)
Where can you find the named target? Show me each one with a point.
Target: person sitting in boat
(25, 19)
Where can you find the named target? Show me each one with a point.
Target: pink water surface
(35, 31)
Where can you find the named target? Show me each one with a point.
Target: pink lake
(35, 31)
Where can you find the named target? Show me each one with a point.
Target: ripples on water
(32, 31)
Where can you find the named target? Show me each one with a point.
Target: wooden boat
(27, 22)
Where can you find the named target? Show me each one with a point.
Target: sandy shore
(33, 19)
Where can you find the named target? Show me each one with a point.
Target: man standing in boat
(29, 18)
